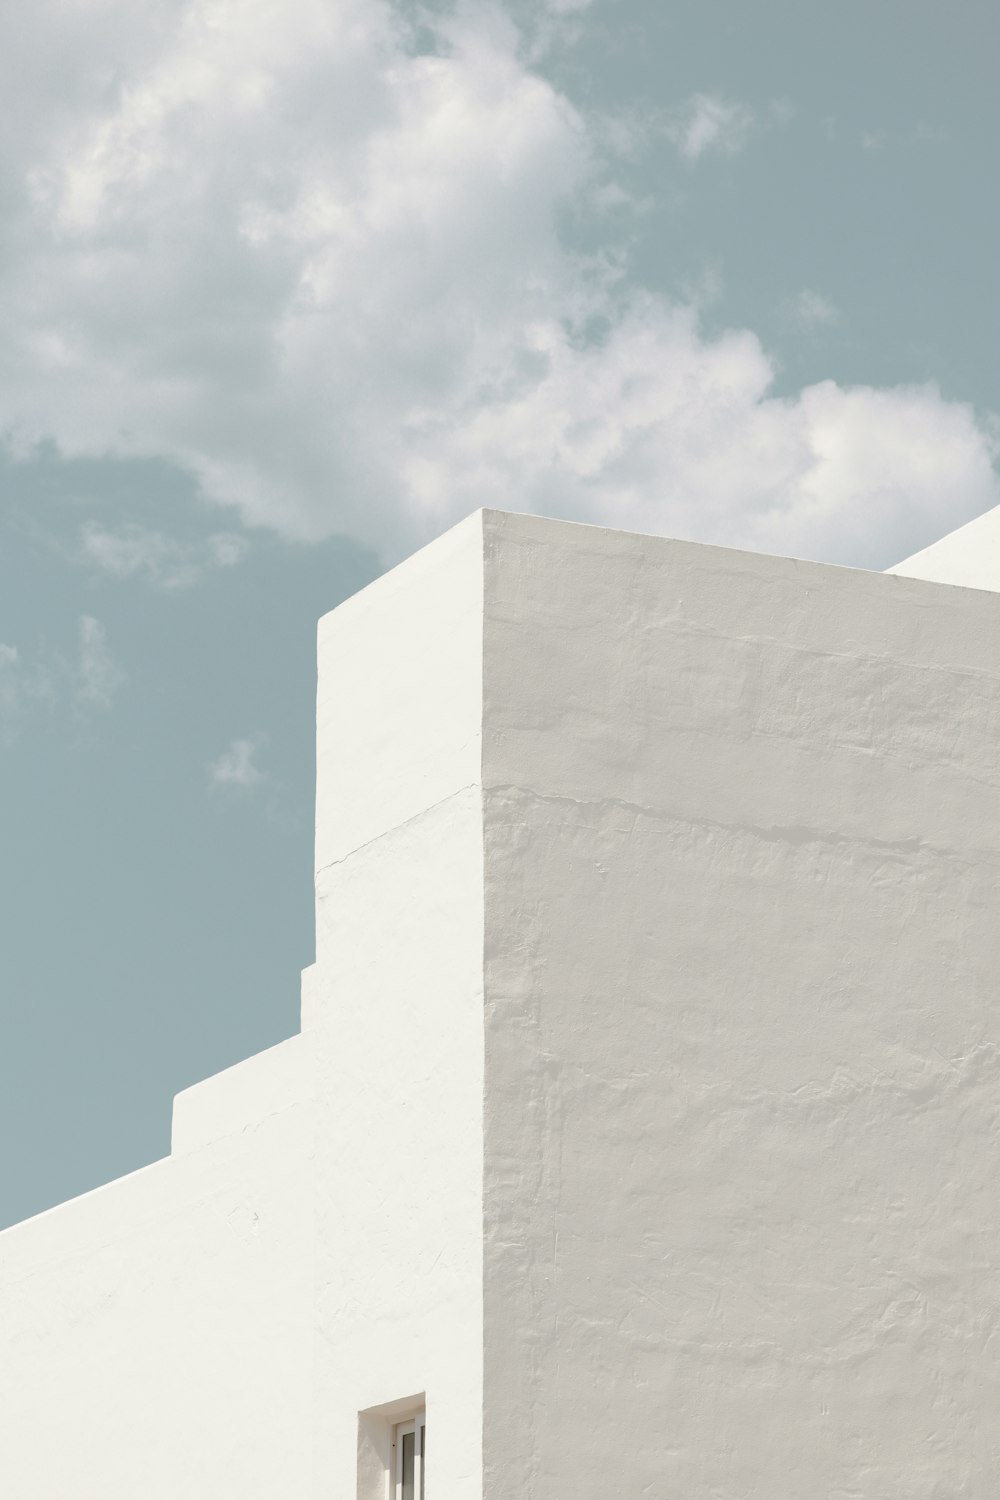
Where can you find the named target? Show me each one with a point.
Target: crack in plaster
(397, 827)
(795, 835)
(875, 658)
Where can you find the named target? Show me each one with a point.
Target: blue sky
(287, 288)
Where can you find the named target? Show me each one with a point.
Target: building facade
(641, 1136)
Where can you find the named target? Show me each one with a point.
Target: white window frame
(416, 1425)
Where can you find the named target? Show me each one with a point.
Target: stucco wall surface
(156, 1334)
(210, 1328)
(395, 1010)
(239, 1097)
(742, 1198)
(399, 702)
(644, 1116)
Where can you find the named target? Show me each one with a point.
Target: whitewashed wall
(155, 1335)
(742, 1180)
(644, 1118)
(396, 1004)
(210, 1328)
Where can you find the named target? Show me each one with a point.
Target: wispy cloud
(131, 550)
(10, 689)
(99, 676)
(545, 25)
(368, 320)
(50, 677)
(810, 310)
(708, 122)
(237, 766)
(920, 134)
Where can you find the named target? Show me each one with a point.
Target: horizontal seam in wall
(775, 834)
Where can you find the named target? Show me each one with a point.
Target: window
(392, 1449)
(409, 1444)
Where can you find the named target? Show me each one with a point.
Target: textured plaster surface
(399, 1168)
(210, 1328)
(154, 1333)
(399, 707)
(742, 1213)
(969, 557)
(644, 1120)
(396, 1007)
(240, 1097)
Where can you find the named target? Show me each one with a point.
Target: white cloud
(326, 275)
(225, 549)
(131, 550)
(28, 681)
(51, 678)
(237, 766)
(707, 122)
(10, 688)
(659, 422)
(99, 677)
(544, 25)
(811, 310)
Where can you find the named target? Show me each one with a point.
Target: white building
(643, 1126)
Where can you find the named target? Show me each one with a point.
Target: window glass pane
(423, 1456)
(408, 1440)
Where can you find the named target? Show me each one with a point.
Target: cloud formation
(237, 765)
(708, 122)
(49, 678)
(98, 675)
(320, 264)
(131, 550)
(811, 310)
(10, 689)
